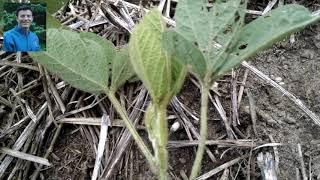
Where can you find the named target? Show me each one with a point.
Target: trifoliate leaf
(185, 52)
(151, 63)
(210, 27)
(179, 72)
(267, 30)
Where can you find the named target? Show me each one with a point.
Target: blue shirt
(17, 39)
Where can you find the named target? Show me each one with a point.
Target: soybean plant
(162, 75)
(213, 38)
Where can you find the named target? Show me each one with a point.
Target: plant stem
(131, 128)
(161, 141)
(203, 131)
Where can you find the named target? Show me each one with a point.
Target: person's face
(25, 18)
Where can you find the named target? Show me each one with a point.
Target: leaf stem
(203, 131)
(131, 128)
(161, 152)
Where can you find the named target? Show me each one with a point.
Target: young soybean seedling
(89, 62)
(162, 75)
(212, 40)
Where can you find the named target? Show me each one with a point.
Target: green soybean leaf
(211, 28)
(267, 30)
(121, 69)
(185, 52)
(151, 63)
(81, 59)
(179, 72)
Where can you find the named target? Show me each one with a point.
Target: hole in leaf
(175, 39)
(228, 29)
(237, 17)
(195, 43)
(209, 7)
(110, 67)
(243, 46)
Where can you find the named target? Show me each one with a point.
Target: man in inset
(20, 38)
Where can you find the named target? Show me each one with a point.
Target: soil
(297, 66)
(73, 157)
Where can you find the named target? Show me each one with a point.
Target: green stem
(161, 141)
(203, 131)
(131, 128)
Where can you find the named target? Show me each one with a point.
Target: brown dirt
(298, 65)
(72, 157)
